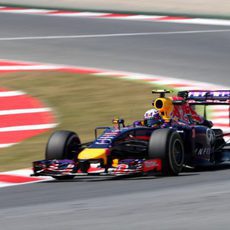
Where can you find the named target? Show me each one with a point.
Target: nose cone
(90, 154)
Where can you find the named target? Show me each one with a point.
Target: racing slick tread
(163, 144)
(62, 144)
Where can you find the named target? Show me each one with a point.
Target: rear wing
(206, 97)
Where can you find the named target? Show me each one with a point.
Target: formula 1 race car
(171, 136)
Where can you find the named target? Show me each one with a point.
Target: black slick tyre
(167, 145)
(61, 145)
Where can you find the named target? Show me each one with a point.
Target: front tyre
(167, 145)
(61, 145)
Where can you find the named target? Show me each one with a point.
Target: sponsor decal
(203, 152)
(153, 164)
(107, 137)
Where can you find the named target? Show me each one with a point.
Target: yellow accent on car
(90, 154)
(115, 162)
(165, 107)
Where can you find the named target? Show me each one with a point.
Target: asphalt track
(198, 200)
(199, 55)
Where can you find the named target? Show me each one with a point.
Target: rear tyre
(167, 145)
(61, 145)
(219, 140)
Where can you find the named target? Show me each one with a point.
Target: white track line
(143, 17)
(19, 172)
(29, 67)
(113, 35)
(7, 145)
(221, 121)
(24, 111)
(221, 113)
(28, 11)
(11, 93)
(79, 14)
(202, 21)
(27, 127)
(5, 184)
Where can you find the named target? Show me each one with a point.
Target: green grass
(80, 102)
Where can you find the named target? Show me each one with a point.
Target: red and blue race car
(171, 137)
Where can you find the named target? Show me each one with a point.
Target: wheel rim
(72, 147)
(177, 153)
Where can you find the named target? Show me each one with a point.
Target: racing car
(171, 137)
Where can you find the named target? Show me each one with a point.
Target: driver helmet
(152, 118)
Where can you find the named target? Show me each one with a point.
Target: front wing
(60, 168)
